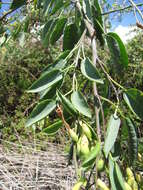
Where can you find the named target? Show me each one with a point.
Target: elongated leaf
(117, 50)
(86, 4)
(90, 71)
(17, 4)
(116, 178)
(98, 22)
(45, 81)
(134, 100)
(43, 109)
(112, 133)
(119, 178)
(91, 157)
(52, 129)
(80, 104)
(58, 4)
(58, 30)
(67, 104)
(70, 37)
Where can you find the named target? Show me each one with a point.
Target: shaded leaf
(117, 50)
(80, 104)
(52, 129)
(112, 133)
(134, 100)
(67, 104)
(90, 71)
(43, 109)
(58, 30)
(70, 37)
(17, 4)
(45, 81)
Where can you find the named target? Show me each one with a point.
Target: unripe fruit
(77, 186)
(73, 135)
(127, 186)
(131, 181)
(140, 157)
(129, 173)
(100, 165)
(102, 185)
(86, 130)
(135, 186)
(84, 145)
(139, 178)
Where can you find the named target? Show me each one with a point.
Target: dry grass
(26, 168)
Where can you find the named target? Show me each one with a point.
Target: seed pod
(139, 178)
(129, 173)
(77, 185)
(102, 185)
(86, 130)
(100, 165)
(84, 145)
(135, 186)
(131, 181)
(127, 186)
(73, 135)
(133, 142)
(140, 157)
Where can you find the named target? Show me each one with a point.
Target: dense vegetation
(91, 85)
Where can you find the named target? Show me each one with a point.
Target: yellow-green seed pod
(140, 157)
(100, 165)
(131, 181)
(135, 186)
(73, 135)
(127, 186)
(84, 145)
(77, 185)
(129, 173)
(86, 130)
(139, 178)
(102, 185)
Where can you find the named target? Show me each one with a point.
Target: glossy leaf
(117, 50)
(90, 71)
(91, 157)
(43, 109)
(80, 103)
(134, 100)
(112, 133)
(70, 37)
(52, 129)
(45, 81)
(67, 104)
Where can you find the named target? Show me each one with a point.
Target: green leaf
(80, 104)
(134, 100)
(115, 175)
(58, 30)
(46, 80)
(117, 50)
(50, 92)
(119, 178)
(91, 157)
(90, 71)
(70, 37)
(43, 109)
(112, 133)
(17, 4)
(86, 4)
(97, 21)
(52, 129)
(67, 104)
